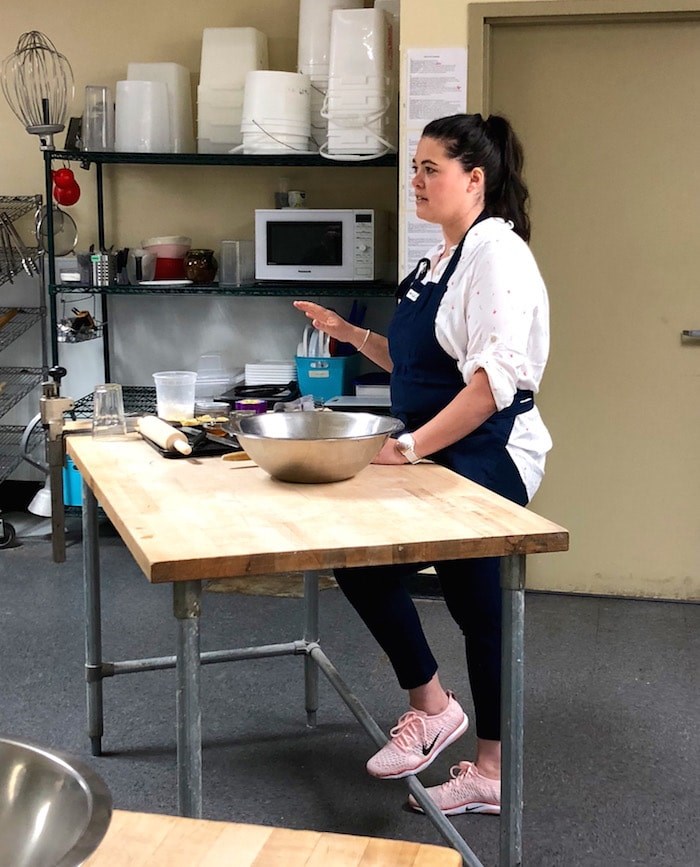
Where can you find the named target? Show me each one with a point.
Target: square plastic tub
(228, 53)
(327, 377)
(72, 484)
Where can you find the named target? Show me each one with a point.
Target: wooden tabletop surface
(149, 840)
(196, 518)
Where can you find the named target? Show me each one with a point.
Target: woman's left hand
(389, 454)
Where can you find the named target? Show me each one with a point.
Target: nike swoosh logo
(425, 749)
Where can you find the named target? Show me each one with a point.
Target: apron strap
(424, 264)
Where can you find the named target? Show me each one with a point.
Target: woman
(467, 348)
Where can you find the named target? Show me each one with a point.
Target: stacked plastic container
(177, 81)
(314, 56)
(276, 112)
(214, 378)
(228, 54)
(392, 9)
(358, 104)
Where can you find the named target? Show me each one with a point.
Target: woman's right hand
(327, 321)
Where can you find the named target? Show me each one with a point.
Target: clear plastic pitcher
(175, 394)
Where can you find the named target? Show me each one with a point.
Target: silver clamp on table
(51, 410)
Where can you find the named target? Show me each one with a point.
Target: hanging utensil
(65, 232)
(26, 255)
(37, 81)
(7, 253)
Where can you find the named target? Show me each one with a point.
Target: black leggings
(472, 593)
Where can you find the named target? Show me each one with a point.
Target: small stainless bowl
(314, 447)
(54, 810)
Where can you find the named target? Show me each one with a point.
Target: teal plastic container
(72, 484)
(325, 378)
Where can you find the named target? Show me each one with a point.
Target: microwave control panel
(364, 245)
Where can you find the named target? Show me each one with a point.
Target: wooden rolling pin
(164, 435)
(8, 316)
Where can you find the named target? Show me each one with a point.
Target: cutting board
(149, 840)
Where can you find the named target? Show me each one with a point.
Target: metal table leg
(187, 609)
(93, 621)
(310, 637)
(512, 686)
(58, 512)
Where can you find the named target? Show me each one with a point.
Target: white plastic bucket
(142, 117)
(359, 44)
(277, 102)
(177, 80)
(315, 32)
(269, 143)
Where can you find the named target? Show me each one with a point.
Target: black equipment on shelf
(274, 391)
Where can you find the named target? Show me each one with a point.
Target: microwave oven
(318, 244)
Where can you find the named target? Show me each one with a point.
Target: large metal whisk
(37, 81)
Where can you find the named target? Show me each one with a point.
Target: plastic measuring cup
(175, 393)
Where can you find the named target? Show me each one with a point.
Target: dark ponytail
(494, 146)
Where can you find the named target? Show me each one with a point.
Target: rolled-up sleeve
(486, 320)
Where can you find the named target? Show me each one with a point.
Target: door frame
(482, 18)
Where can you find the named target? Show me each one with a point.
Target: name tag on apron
(412, 294)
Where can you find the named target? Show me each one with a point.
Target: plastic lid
(166, 239)
(210, 363)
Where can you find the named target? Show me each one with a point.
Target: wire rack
(138, 400)
(24, 319)
(10, 258)
(348, 288)
(16, 383)
(17, 206)
(10, 436)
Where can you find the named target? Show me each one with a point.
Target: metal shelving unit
(23, 320)
(15, 207)
(10, 436)
(374, 289)
(17, 382)
(88, 159)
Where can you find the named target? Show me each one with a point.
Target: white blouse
(494, 316)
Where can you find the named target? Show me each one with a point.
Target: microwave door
(311, 243)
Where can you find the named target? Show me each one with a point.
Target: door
(609, 115)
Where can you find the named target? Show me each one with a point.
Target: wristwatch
(406, 445)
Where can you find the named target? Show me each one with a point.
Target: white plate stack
(276, 112)
(360, 83)
(314, 55)
(270, 372)
(228, 54)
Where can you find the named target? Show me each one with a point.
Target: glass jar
(200, 266)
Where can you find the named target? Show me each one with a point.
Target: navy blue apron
(425, 379)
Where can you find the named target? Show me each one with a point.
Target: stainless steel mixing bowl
(54, 810)
(314, 446)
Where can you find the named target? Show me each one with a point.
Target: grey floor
(611, 761)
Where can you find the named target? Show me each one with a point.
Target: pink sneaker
(465, 792)
(416, 740)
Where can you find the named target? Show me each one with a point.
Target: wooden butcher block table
(187, 520)
(148, 840)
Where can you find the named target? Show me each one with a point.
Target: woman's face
(445, 192)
